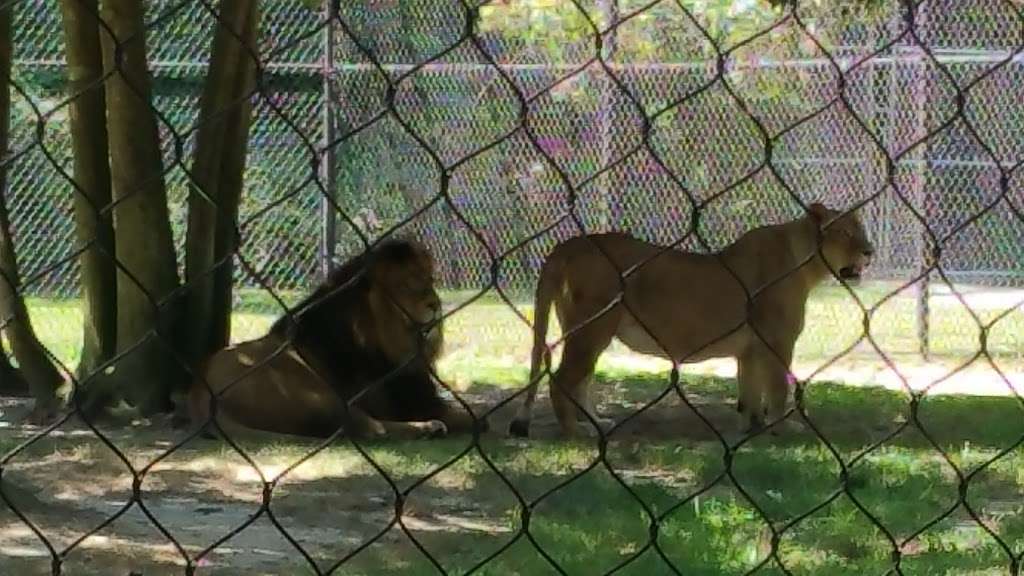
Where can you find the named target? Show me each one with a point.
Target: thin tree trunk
(11, 382)
(217, 168)
(92, 176)
(143, 241)
(42, 376)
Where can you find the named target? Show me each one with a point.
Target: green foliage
(556, 29)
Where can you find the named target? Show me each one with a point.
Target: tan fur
(688, 307)
(276, 384)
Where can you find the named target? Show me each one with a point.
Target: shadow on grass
(664, 473)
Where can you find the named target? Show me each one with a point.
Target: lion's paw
(433, 429)
(374, 431)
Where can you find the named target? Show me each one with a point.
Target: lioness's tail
(540, 357)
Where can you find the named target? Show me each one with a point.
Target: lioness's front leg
(762, 375)
(750, 373)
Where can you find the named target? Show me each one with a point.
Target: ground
(665, 466)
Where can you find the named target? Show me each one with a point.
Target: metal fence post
(328, 172)
(920, 96)
(886, 75)
(606, 122)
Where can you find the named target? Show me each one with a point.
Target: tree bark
(42, 376)
(143, 242)
(92, 176)
(218, 168)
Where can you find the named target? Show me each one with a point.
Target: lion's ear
(425, 257)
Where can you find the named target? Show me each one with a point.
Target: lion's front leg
(459, 420)
(362, 425)
(414, 430)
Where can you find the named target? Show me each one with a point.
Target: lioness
(689, 307)
(359, 341)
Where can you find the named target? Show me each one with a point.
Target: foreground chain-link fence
(493, 130)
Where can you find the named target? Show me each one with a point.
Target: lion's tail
(540, 356)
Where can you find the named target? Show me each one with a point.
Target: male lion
(358, 339)
(689, 307)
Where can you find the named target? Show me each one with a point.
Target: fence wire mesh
(491, 131)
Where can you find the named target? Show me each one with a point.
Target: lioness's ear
(818, 211)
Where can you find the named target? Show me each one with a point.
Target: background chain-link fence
(552, 116)
(583, 122)
(460, 100)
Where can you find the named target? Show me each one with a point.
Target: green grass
(594, 523)
(487, 341)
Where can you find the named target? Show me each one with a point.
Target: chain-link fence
(584, 123)
(495, 130)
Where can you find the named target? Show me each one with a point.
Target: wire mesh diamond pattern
(490, 131)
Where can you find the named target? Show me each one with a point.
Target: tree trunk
(42, 376)
(143, 244)
(11, 382)
(92, 178)
(218, 167)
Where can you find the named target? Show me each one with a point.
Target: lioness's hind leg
(588, 406)
(569, 386)
(587, 402)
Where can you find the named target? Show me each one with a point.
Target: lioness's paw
(788, 427)
(519, 428)
(483, 424)
(605, 424)
(748, 426)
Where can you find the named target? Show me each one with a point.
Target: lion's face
(409, 285)
(845, 244)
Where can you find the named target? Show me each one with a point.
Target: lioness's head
(845, 244)
(404, 272)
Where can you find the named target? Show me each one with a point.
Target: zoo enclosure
(585, 123)
(946, 121)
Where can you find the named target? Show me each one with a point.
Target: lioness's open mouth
(849, 273)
